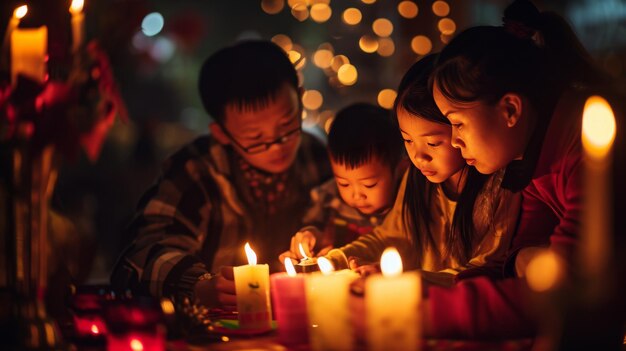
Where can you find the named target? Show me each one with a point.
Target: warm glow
(294, 3)
(167, 306)
(20, 12)
(94, 329)
(390, 262)
(294, 56)
(446, 26)
(386, 47)
(291, 270)
(445, 38)
(407, 9)
(272, 7)
(325, 266)
(250, 255)
(352, 16)
(421, 45)
(321, 12)
(338, 61)
(386, 98)
(382, 27)
(369, 2)
(328, 124)
(225, 338)
(76, 6)
(347, 74)
(301, 248)
(368, 44)
(300, 12)
(441, 8)
(322, 58)
(598, 127)
(312, 99)
(283, 41)
(544, 271)
(136, 345)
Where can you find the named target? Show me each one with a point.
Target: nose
(421, 157)
(456, 141)
(357, 194)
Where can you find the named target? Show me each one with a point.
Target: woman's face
(428, 146)
(484, 133)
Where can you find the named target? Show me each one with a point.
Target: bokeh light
(321, 13)
(386, 47)
(338, 61)
(152, 24)
(382, 27)
(421, 45)
(408, 9)
(322, 58)
(347, 74)
(272, 7)
(386, 98)
(352, 16)
(312, 99)
(300, 12)
(283, 41)
(441, 8)
(446, 26)
(368, 44)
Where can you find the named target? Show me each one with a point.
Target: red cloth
(480, 307)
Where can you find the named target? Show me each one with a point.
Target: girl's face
(484, 133)
(428, 146)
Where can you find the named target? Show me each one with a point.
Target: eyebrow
(360, 179)
(435, 133)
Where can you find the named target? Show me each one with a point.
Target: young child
(367, 159)
(514, 95)
(249, 180)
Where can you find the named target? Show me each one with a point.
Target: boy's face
(248, 128)
(370, 188)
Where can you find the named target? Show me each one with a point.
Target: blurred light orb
(312, 99)
(320, 13)
(294, 3)
(162, 50)
(283, 41)
(445, 38)
(347, 74)
(421, 45)
(300, 12)
(386, 47)
(382, 27)
(272, 7)
(368, 44)
(446, 26)
(545, 271)
(386, 98)
(369, 2)
(322, 58)
(441, 8)
(408, 9)
(352, 16)
(338, 61)
(328, 124)
(152, 24)
(313, 2)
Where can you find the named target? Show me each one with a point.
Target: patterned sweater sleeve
(164, 257)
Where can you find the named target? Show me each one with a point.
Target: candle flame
(598, 127)
(76, 7)
(291, 270)
(390, 262)
(326, 267)
(301, 248)
(250, 255)
(136, 345)
(20, 12)
(94, 329)
(544, 271)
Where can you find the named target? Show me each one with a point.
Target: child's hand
(363, 268)
(307, 239)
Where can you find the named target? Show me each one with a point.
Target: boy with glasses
(248, 181)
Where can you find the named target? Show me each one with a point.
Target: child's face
(265, 125)
(428, 146)
(370, 188)
(481, 132)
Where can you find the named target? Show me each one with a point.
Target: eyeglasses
(262, 147)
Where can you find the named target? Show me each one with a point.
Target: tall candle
(29, 53)
(252, 282)
(78, 24)
(18, 14)
(289, 301)
(327, 294)
(598, 134)
(392, 306)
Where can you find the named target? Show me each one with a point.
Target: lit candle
(29, 53)
(289, 301)
(78, 24)
(137, 341)
(18, 14)
(306, 264)
(327, 294)
(598, 134)
(252, 282)
(392, 304)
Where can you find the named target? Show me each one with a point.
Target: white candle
(327, 294)
(392, 305)
(598, 134)
(252, 283)
(78, 24)
(18, 14)
(29, 53)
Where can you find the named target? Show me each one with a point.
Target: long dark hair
(415, 97)
(535, 54)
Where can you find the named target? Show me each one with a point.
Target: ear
(218, 133)
(511, 104)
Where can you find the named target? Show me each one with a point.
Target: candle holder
(135, 324)
(87, 307)
(307, 265)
